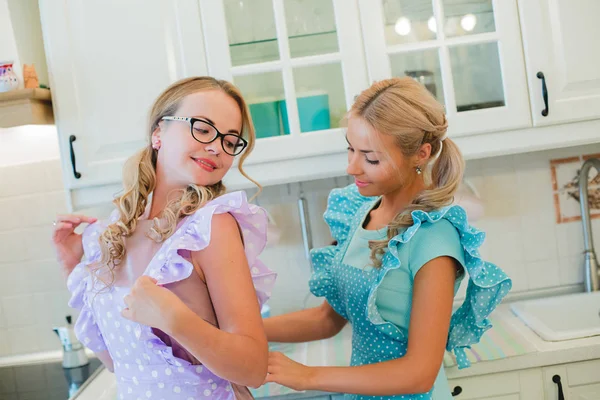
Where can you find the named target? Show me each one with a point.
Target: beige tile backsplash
(522, 237)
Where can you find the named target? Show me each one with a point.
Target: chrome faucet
(591, 262)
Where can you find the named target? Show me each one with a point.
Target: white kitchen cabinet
(505, 386)
(585, 392)
(532, 384)
(584, 380)
(108, 61)
(555, 382)
(468, 54)
(560, 39)
(578, 381)
(474, 65)
(299, 64)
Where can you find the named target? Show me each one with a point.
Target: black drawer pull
(77, 175)
(457, 390)
(541, 76)
(556, 379)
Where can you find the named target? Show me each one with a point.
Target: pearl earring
(418, 169)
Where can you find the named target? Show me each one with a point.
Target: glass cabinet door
(467, 53)
(298, 63)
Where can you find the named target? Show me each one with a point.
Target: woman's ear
(423, 154)
(155, 139)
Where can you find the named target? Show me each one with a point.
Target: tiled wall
(32, 293)
(524, 238)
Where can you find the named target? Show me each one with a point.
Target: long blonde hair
(404, 109)
(139, 176)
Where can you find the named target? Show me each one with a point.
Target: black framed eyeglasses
(205, 132)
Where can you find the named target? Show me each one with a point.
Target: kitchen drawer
(583, 373)
(503, 386)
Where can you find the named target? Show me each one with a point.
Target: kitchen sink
(560, 318)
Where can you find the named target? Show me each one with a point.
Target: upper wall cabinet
(108, 61)
(562, 54)
(467, 53)
(299, 64)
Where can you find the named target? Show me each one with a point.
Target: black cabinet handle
(77, 175)
(541, 76)
(556, 379)
(457, 390)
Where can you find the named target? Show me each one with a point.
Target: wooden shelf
(26, 107)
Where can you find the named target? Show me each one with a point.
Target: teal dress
(377, 302)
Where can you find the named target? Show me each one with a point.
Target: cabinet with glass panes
(282, 52)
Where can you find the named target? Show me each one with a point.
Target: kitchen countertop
(535, 353)
(336, 352)
(35, 358)
(544, 354)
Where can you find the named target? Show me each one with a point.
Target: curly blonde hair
(139, 177)
(404, 109)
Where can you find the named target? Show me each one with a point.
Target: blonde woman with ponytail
(170, 287)
(401, 251)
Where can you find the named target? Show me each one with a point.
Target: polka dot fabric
(145, 367)
(352, 292)
(487, 284)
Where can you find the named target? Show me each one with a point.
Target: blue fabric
(352, 292)
(394, 295)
